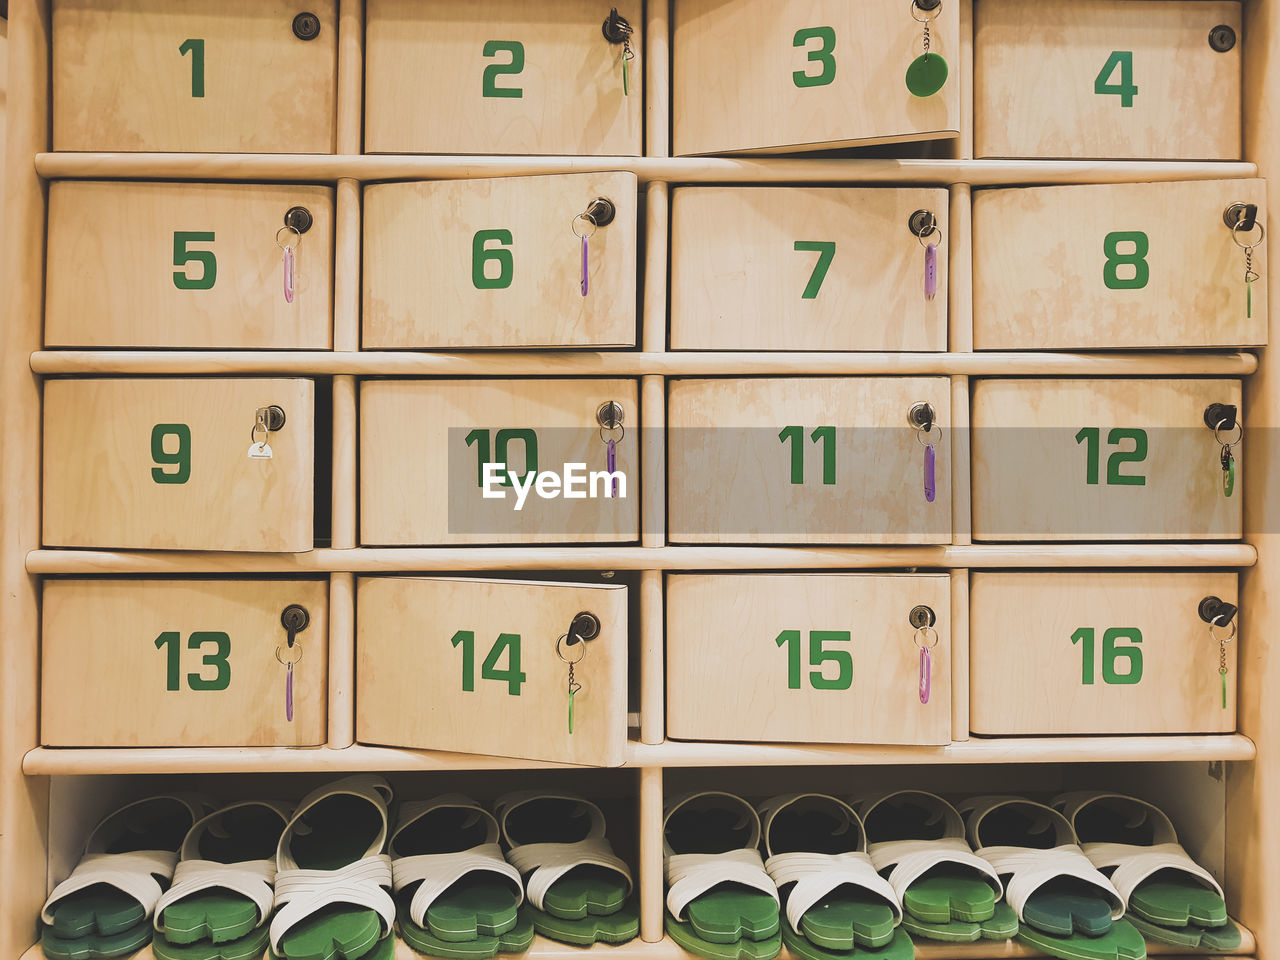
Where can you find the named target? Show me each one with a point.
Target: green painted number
(1121, 60)
(180, 458)
(1091, 437)
(170, 640)
(501, 443)
(824, 56)
(1136, 259)
(826, 250)
(508, 643)
(492, 72)
(182, 256)
(818, 655)
(196, 49)
(824, 435)
(480, 255)
(1111, 655)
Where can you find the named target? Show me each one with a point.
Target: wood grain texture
(733, 89)
(112, 263)
(1035, 68)
(1029, 679)
(738, 283)
(571, 99)
(728, 678)
(1040, 262)
(730, 473)
(1030, 473)
(420, 243)
(121, 83)
(410, 687)
(99, 489)
(104, 682)
(419, 478)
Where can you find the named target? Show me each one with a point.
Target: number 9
(181, 458)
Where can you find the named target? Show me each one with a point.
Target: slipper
(900, 946)
(835, 900)
(333, 881)
(1065, 906)
(916, 840)
(721, 904)
(1135, 844)
(1203, 939)
(104, 908)
(517, 939)
(578, 890)
(221, 892)
(452, 886)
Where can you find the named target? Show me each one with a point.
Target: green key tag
(1229, 478)
(1222, 672)
(926, 75)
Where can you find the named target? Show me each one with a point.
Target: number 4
(1125, 89)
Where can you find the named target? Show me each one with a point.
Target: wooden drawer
(786, 75)
(1103, 460)
(201, 76)
(1122, 265)
(517, 78)
(1112, 79)
(499, 263)
(808, 658)
(425, 444)
(480, 666)
(1099, 653)
(806, 460)
(187, 265)
(798, 268)
(183, 663)
(164, 465)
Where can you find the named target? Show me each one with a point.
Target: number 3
(824, 55)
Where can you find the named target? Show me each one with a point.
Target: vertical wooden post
(960, 340)
(657, 71)
(651, 872)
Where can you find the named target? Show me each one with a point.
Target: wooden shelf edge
(331, 167)
(629, 363)
(694, 558)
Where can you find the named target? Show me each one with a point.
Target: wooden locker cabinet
(476, 666)
(164, 464)
(521, 78)
(806, 460)
(424, 445)
(497, 263)
(813, 268)
(788, 75)
(181, 663)
(1063, 652)
(187, 265)
(808, 658)
(202, 76)
(1152, 79)
(1124, 265)
(1103, 460)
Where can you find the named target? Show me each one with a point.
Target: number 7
(826, 250)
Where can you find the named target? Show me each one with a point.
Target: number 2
(826, 250)
(1121, 60)
(489, 87)
(824, 55)
(196, 49)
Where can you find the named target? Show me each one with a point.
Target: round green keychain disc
(926, 75)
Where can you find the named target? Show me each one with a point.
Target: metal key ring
(296, 648)
(924, 240)
(253, 433)
(622, 432)
(914, 7)
(580, 644)
(1228, 443)
(290, 229)
(922, 436)
(1216, 639)
(574, 226)
(926, 632)
(1235, 231)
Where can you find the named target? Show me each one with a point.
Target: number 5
(182, 256)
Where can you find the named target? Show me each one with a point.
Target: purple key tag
(585, 284)
(926, 674)
(930, 271)
(609, 415)
(926, 639)
(930, 477)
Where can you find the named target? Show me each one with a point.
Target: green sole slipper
(333, 882)
(517, 938)
(452, 885)
(831, 892)
(619, 927)
(916, 840)
(1065, 906)
(1197, 939)
(719, 897)
(899, 947)
(573, 880)
(251, 946)
(1136, 845)
(128, 860)
(222, 888)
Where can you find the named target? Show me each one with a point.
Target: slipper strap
(551, 861)
(437, 872)
(1135, 863)
(1031, 868)
(690, 875)
(816, 875)
(131, 873)
(303, 893)
(251, 879)
(912, 859)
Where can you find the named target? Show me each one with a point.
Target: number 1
(196, 49)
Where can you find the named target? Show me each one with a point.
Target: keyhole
(585, 626)
(294, 619)
(922, 616)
